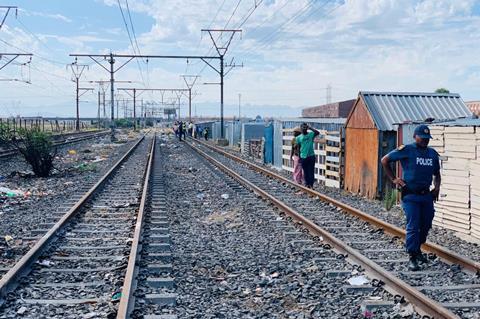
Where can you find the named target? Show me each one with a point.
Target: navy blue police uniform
(418, 165)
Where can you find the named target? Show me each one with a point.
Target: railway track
(148, 287)
(76, 270)
(447, 287)
(64, 139)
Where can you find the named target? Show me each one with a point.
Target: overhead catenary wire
(131, 41)
(209, 27)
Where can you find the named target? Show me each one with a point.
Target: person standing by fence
(307, 154)
(295, 158)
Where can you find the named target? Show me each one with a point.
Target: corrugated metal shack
(371, 132)
(458, 143)
(332, 110)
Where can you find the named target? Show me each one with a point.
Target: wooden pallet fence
(459, 206)
(329, 162)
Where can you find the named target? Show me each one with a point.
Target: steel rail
(420, 301)
(442, 252)
(127, 299)
(10, 279)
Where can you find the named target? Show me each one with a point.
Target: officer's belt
(406, 191)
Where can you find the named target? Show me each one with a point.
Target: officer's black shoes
(413, 264)
(422, 258)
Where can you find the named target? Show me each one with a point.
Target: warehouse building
(371, 131)
(332, 110)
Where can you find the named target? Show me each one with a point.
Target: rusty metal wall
(361, 161)
(360, 117)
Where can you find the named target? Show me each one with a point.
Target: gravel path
(395, 216)
(232, 259)
(21, 215)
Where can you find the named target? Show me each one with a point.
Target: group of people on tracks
(181, 129)
(420, 167)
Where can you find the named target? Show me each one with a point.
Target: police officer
(419, 163)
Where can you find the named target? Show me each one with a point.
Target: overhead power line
(134, 48)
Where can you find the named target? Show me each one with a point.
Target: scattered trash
(358, 281)
(98, 159)
(84, 167)
(9, 240)
(45, 262)
(11, 192)
(116, 296)
(403, 310)
(225, 196)
(68, 183)
(21, 310)
(91, 315)
(201, 196)
(72, 152)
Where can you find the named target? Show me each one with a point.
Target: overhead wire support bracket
(6, 13)
(14, 57)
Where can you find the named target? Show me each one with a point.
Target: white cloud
(404, 45)
(55, 16)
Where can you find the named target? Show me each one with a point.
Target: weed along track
(77, 268)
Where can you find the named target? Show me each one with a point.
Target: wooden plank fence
(458, 208)
(329, 159)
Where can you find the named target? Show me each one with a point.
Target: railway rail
(63, 139)
(77, 268)
(449, 287)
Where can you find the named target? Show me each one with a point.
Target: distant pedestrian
(175, 128)
(184, 130)
(205, 133)
(420, 164)
(180, 131)
(307, 154)
(190, 129)
(295, 158)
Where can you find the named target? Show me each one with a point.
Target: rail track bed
(76, 270)
(452, 290)
(233, 256)
(31, 218)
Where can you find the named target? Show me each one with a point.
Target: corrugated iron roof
(388, 108)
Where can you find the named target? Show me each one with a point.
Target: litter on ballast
(403, 309)
(72, 152)
(45, 262)
(358, 280)
(225, 196)
(11, 192)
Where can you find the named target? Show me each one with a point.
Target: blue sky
(291, 50)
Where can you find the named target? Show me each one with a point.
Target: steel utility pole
(136, 92)
(77, 71)
(239, 105)
(222, 50)
(111, 60)
(190, 82)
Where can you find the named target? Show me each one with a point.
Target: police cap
(422, 131)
